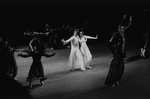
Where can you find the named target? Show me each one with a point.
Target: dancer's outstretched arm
(122, 20)
(90, 37)
(67, 41)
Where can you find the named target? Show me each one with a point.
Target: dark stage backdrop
(17, 16)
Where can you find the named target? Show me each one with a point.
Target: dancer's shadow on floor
(71, 71)
(97, 91)
(102, 89)
(60, 74)
(133, 58)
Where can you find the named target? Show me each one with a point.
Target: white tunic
(75, 58)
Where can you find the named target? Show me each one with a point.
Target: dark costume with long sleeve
(12, 65)
(10, 88)
(117, 64)
(36, 70)
(7, 54)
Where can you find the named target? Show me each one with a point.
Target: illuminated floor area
(64, 84)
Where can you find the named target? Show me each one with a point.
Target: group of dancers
(80, 55)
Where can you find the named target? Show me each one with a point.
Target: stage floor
(61, 83)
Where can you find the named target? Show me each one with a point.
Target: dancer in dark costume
(36, 69)
(51, 36)
(121, 29)
(11, 67)
(10, 88)
(146, 35)
(145, 42)
(117, 64)
(55, 36)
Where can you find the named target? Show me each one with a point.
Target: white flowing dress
(87, 57)
(75, 58)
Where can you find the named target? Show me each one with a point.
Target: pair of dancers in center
(80, 56)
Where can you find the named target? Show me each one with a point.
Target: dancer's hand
(130, 18)
(25, 33)
(63, 41)
(47, 33)
(96, 36)
(124, 16)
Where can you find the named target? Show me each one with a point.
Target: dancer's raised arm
(122, 19)
(123, 27)
(129, 23)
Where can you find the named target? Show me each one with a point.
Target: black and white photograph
(75, 49)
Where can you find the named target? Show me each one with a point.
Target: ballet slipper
(89, 67)
(83, 69)
(143, 52)
(117, 84)
(30, 86)
(42, 83)
(113, 85)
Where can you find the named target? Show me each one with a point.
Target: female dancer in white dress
(87, 57)
(75, 58)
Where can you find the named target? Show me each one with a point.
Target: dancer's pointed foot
(113, 85)
(89, 67)
(42, 83)
(83, 69)
(142, 53)
(15, 79)
(117, 84)
(30, 86)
